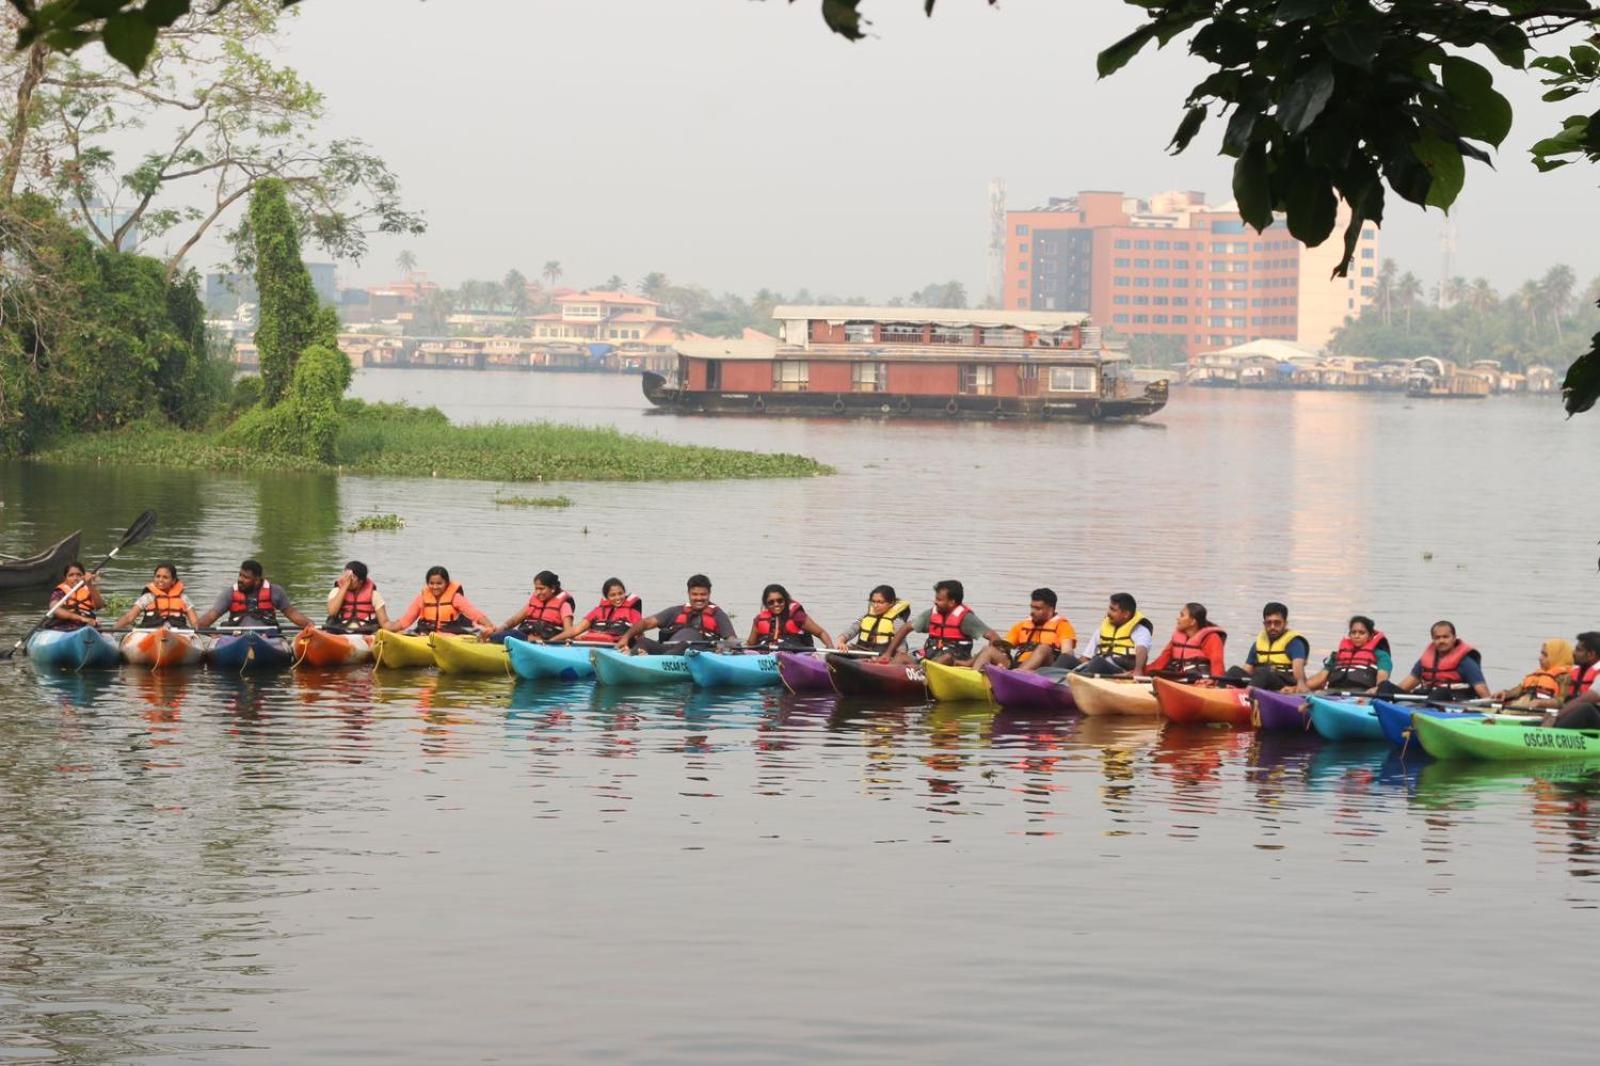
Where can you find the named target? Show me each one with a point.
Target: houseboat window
(791, 375)
(860, 332)
(1072, 379)
(1003, 336)
(1058, 339)
(901, 333)
(869, 377)
(951, 335)
(977, 380)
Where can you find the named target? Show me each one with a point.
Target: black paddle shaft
(138, 529)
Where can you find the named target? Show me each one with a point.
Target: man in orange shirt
(1035, 641)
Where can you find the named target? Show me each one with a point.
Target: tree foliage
(290, 318)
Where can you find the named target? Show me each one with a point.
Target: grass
(373, 522)
(393, 439)
(533, 501)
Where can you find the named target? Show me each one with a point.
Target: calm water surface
(421, 869)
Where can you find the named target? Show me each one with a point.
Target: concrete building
(225, 292)
(1174, 266)
(620, 319)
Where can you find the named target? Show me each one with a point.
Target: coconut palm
(615, 284)
(1558, 285)
(1383, 288)
(406, 261)
(515, 288)
(1481, 296)
(552, 271)
(1406, 293)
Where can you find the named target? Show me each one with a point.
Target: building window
(1160, 283)
(1180, 283)
(860, 332)
(869, 377)
(1180, 320)
(951, 335)
(1141, 299)
(1022, 230)
(1160, 301)
(1141, 283)
(1141, 320)
(1119, 318)
(1022, 265)
(1366, 253)
(1159, 320)
(1122, 242)
(1180, 246)
(1142, 245)
(1162, 246)
(1120, 261)
(1002, 337)
(1142, 264)
(1163, 264)
(1022, 283)
(1180, 301)
(977, 379)
(1120, 281)
(790, 375)
(1072, 379)
(902, 333)
(1119, 299)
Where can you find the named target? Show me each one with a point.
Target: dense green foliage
(291, 320)
(307, 422)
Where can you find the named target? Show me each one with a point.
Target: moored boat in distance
(911, 362)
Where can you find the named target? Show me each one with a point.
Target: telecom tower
(997, 242)
(1447, 257)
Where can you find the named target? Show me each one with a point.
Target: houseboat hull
(674, 400)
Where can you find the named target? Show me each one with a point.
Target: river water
(421, 869)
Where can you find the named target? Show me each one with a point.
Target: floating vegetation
(372, 522)
(533, 501)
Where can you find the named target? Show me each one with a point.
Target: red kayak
(885, 681)
(1194, 704)
(1023, 690)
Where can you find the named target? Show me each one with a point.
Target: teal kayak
(564, 662)
(715, 670)
(1345, 718)
(85, 648)
(612, 667)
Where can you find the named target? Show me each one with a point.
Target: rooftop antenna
(1447, 258)
(997, 241)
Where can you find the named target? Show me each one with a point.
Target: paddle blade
(138, 530)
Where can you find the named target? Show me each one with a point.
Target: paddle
(137, 531)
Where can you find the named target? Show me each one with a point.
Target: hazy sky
(738, 144)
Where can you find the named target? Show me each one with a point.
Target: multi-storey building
(1173, 266)
(619, 319)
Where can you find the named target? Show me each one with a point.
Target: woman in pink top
(442, 606)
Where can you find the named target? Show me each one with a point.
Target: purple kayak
(804, 673)
(1278, 710)
(1021, 690)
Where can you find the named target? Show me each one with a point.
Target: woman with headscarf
(1549, 682)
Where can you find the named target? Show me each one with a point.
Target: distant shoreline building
(1173, 266)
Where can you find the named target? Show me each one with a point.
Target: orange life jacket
(790, 630)
(357, 608)
(1583, 678)
(944, 632)
(437, 613)
(687, 618)
(1444, 672)
(164, 607)
(79, 601)
(239, 607)
(1357, 666)
(1187, 649)
(543, 617)
(609, 623)
(1032, 634)
(1545, 685)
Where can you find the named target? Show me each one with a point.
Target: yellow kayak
(469, 655)
(955, 684)
(398, 651)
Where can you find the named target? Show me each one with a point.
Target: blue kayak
(85, 648)
(715, 670)
(1395, 718)
(612, 667)
(1345, 718)
(564, 662)
(267, 650)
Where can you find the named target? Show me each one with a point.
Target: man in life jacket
(697, 622)
(1582, 709)
(253, 603)
(874, 630)
(1122, 645)
(75, 602)
(355, 605)
(1034, 642)
(1449, 668)
(1360, 663)
(1277, 660)
(950, 625)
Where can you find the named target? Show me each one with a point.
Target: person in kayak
(1360, 663)
(1582, 709)
(607, 621)
(699, 621)
(874, 630)
(355, 605)
(1548, 685)
(1195, 648)
(442, 607)
(547, 612)
(1123, 644)
(1277, 660)
(1034, 642)
(253, 602)
(162, 603)
(1449, 669)
(75, 602)
(784, 625)
(951, 628)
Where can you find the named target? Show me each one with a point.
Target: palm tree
(552, 271)
(406, 261)
(1406, 292)
(515, 287)
(1481, 296)
(1531, 300)
(1383, 290)
(615, 284)
(1558, 285)
(1454, 291)
(653, 285)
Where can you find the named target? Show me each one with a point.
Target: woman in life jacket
(354, 605)
(606, 621)
(442, 607)
(784, 625)
(1548, 685)
(161, 604)
(75, 602)
(874, 629)
(1360, 663)
(1195, 648)
(547, 612)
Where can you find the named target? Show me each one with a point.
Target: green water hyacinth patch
(374, 522)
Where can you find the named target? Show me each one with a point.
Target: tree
(615, 284)
(1407, 291)
(1557, 286)
(552, 271)
(289, 320)
(406, 262)
(516, 292)
(653, 285)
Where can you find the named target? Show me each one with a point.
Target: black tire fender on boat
(1094, 412)
(760, 404)
(904, 404)
(838, 406)
(951, 408)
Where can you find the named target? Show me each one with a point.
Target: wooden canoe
(45, 568)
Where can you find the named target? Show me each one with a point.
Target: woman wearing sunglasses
(873, 632)
(783, 624)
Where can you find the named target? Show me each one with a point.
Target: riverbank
(392, 439)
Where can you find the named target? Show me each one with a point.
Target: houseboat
(1435, 379)
(910, 361)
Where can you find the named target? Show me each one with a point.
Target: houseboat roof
(1037, 321)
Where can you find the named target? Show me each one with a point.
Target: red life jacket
(1583, 678)
(1445, 671)
(1187, 649)
(544, 617)
(705, 621)
(239, 607)
(80, 602)
(790, 631)
(944, 631)
(608, 623)
(357, 608)
(1350, 657)
(164, 606)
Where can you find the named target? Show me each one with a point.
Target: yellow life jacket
(1118, 640)
(1275, 653)
(877, 629)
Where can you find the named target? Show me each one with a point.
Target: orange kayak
(1194, 703)
(157, 648)
(321, 649)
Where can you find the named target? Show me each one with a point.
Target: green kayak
(1503, 739)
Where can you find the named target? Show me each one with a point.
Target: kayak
(1110, 695)
(956, 684)
(401, 650)
(161, 647)
(1203, 705)
(1344, 718)
(804, 673)
(712, 669)
(564, 662)
(612, 667)
(889, 681)
(318, 648)
(469, 655)
(1278, 710)
(1025, 690)
(85, 648)
(250, 650)
(1503, 739)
